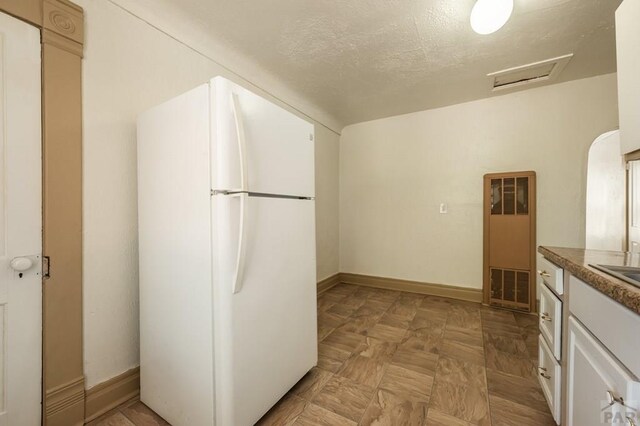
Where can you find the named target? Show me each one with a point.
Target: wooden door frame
(61, 25)
(486, 279)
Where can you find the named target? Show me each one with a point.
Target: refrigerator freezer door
(272, 148)
(265, 334)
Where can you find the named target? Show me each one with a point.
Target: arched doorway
(605, 210)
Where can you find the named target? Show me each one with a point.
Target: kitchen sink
(629, 274)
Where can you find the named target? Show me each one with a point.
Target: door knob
(21, 264)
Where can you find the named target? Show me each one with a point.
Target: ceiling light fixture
(488, 16)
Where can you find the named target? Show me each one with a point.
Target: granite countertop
(577, 262)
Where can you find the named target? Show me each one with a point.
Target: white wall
(128, 67)
(327, 191)
(606, 197)
(395, 172)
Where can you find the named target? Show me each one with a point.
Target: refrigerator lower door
(265, 325)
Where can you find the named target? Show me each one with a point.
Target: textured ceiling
(365, 59)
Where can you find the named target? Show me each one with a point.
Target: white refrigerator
(226, 217)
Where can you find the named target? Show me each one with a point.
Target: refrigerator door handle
(242, 144)
(242, 243)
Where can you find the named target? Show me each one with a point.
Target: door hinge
(46, 265)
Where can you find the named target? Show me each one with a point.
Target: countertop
(577, 261)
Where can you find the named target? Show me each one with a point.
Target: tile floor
(132, 413)
(393, 358)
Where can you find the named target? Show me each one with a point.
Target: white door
(20, 224)
(265, 318)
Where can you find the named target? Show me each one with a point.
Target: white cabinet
(551, 288)
(550, 275)
(551, 319)
(628, 54)
(549, 375)
(615, 326)
(599, 389)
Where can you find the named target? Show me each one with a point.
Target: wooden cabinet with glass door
(510, 240)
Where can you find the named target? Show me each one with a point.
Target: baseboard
(453, 292)
(328, 282)
(110, 394)
(64, 405)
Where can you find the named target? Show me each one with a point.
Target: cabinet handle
(613, 399)
(545, 317)
(544, 273)
(542, 370)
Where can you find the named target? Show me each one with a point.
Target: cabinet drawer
(551, 275)
(551, 320)
(549, 376)
(617, 327)
(595, 379)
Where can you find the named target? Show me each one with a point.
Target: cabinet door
(551, 319)
(595, 379)
(628, 54)
(549, 375)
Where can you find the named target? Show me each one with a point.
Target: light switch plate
(443, 208)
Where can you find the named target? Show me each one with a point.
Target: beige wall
(128, 67)
(395, 172)
(327, 190)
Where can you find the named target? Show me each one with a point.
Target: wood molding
(63, 18)
(453, 292)
(54, 39)
(27, 10)
(62, 218)
(327, 283)
(65, 404)
(112, 393)
(62, 35)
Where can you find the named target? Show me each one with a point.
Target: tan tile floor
(392, 358)
(132, 413)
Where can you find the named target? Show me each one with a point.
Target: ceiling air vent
(537, 72)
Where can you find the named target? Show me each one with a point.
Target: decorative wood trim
(26, 10)
(62, 25)
(54, 39)
(453, 292)
(112, 393)
(63, 18)
(65, 404)
(327, 283)
(62, 220)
